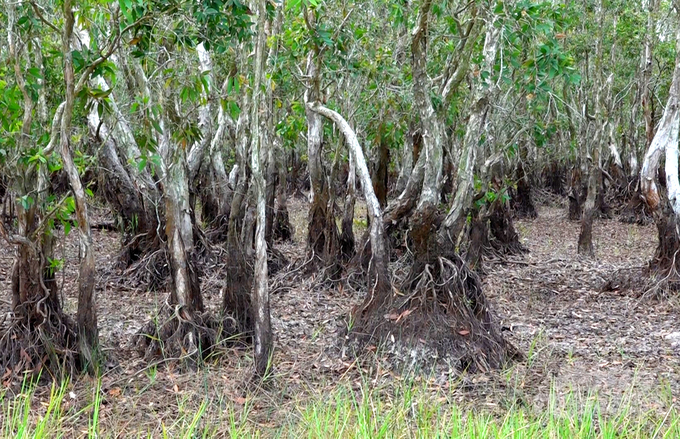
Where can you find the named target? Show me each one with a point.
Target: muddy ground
(622, 344)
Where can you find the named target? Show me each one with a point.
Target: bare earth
(576, 337)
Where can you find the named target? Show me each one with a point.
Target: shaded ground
(575, 337)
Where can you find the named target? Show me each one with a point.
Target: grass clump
(405, 409)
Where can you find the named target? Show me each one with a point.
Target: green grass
(407, 410)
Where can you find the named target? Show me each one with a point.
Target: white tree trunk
(455, 220)
(666, 138)
(377, 234)
(204, 116)
(260, 296)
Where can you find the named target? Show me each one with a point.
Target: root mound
(47, 340)
(665, 265)
(442, 315)
(176, 334)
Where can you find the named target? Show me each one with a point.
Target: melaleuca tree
(49, 83)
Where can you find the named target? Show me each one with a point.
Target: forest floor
(616, 346)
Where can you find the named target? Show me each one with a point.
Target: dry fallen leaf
(404, 314)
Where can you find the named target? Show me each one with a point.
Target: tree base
(521, 202)
(636, 211)
(31, 345)
(283, 231)
(666, 260)
(176, 335)
(442, 314)
(505, 239)
(444, 319)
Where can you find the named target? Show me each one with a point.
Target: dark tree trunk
(666, 257)
(577, 194)
(522, 203)
(139, 224)
(381, 173)
(282, 228)
(478, 243)
(238, 283)
(505, 238)
(271, 180)
(636, 210)
(553, 175)
(585, 238)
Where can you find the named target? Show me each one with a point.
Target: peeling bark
(263, 338)
(322, 234)
(87, 313)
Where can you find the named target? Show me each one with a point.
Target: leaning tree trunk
(379, 281)
(666, 138)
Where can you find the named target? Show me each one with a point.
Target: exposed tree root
(665, 263)
(276, 261)
(176, 334)
(661, 276)
(440, 316)
(39, 339)
(149, 273)
(636, 211)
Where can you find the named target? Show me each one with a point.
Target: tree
(443, 302)
(668, 211)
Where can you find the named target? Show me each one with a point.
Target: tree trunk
(522, 202)
(381, 172)
(444, 313)
(87, 313)
(406, 163)
(322, 234)
(666, 138)
(379, 281)
(282, 227)
(263, 338)
(347, 241)
(645, 83)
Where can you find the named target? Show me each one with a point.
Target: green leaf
(156, 126)
(141, 164)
